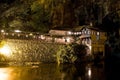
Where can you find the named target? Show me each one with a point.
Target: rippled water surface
(53, 72)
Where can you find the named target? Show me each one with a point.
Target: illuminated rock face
(31, 51)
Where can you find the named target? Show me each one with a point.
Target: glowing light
(17, 31)
(34, 36)
(91, 24)
(42, 37)
(68, 39)
(69, 32)
(98, 33)
(26, 35)
(89, 72)
(4, 74)
(30, 34)
(5, 50)
(90, 47)
(2, 31)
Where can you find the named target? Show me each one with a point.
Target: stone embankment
(31, 50)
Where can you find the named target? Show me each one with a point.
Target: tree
(71, 53)
(40, 17)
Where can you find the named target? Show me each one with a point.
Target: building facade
(92, 37)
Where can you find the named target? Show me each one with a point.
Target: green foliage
(70, 53)
(32, 16)
(40, 17)
(2, 43)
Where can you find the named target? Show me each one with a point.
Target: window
(98, 33)
(98, 37)
(79, 32)
(88, 32)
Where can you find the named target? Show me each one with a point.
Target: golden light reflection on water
(51, 72)
(4, 75)
(89, 72)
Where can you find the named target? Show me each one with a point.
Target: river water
(52, 71)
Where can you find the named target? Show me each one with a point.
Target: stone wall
(32, 50)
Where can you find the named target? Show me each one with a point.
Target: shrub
(71, 53)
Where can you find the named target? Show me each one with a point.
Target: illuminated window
(98, 33)
(69, 33)
(79, 32)
(75, 33)
(85, 32)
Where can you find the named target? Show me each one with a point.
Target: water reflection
(89, 72)
(53, 72)
(4, 75)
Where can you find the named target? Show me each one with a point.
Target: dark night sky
(6, 1)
